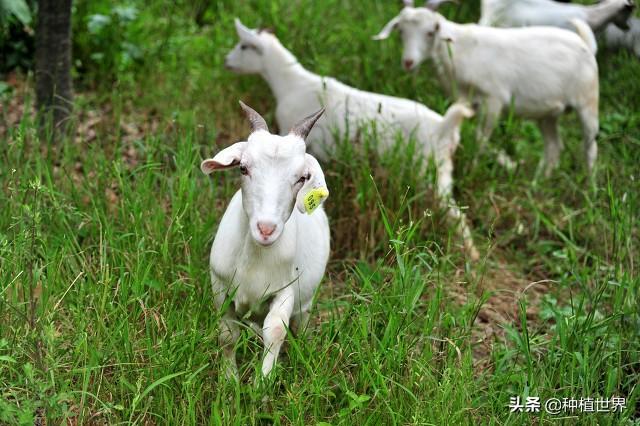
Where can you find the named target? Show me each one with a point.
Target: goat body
(270, 285)
(538, 71)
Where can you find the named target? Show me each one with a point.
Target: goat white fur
(538, 71)
(629, 39)
(525, 13)
(268, 256)
(348, 109)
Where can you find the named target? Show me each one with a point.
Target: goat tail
(453, 118)
(585, 33)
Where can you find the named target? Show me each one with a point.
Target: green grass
(106, 312)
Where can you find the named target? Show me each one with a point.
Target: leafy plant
(104, 48)
(18, 9)
(16, 35)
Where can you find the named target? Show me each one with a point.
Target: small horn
(257, 122)
(408, 3)
(303, 127)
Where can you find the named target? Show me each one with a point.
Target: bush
(103, 45)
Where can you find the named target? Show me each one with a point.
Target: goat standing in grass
(269, 257)
(540, 72)
(348, 110)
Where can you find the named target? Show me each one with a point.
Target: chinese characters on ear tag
(314, 198)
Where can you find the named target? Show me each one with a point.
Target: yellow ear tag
(313, 199)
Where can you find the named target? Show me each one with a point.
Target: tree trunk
(54, 90)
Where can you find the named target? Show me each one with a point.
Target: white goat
(267, 256)
(629, 39)
(300, 91)
(525, 13)
(539, 71)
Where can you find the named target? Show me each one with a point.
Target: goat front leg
(229, 330)
(492, 108)
(275, 326)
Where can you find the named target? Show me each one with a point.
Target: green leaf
(363, 398)
(158, 383)
(17, 8)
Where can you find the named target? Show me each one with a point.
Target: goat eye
(302, 179)
(243, 170)
(245, 46)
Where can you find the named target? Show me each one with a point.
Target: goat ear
(443, 33)
(241, 29)
(246, 33)
(314, 191)
(225, 159)
(387, 30)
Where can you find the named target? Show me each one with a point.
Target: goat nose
(266, 228)
(408, 63)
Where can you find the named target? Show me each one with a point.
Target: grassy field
(106, 312)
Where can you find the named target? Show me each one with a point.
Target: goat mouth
(265, 242)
